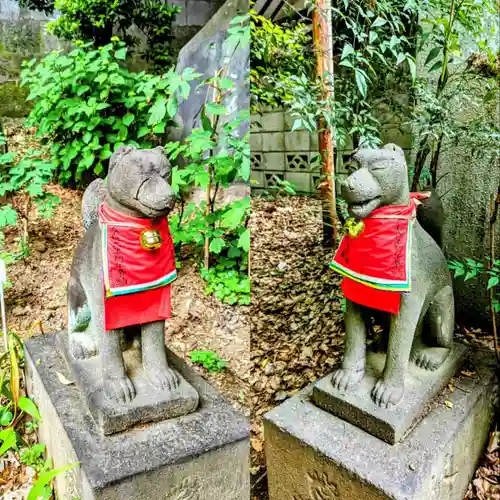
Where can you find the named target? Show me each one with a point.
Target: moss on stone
(13, 101)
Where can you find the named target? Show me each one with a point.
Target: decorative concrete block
(273, 141)
(201, 456)
(388, 424)
(255, 141)
(302, 181)
(257, 180)
(270, 178)
(313, 454)
(298, 162)
(273, 161)
(297, 141)
(273, 122)
(314, 142)
(256, 161)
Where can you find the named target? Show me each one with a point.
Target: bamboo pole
(322, 41)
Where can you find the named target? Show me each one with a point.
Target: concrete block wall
(294, 156)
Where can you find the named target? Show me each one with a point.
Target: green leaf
(361, 83)
(216, 245)
(244, 240)
(128, 119)
(226, 83)
(215, 109)
(121, 54)
(413, 68)
(493, 281)
(29, 407)
(44, 479)
(158, 111)
(172, 106)
(432, 55)
(379, 22)
(436, 66)
(143, 131)
(233, 217)
(9, 440)
(373, 36)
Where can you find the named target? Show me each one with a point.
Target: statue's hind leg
(441, 321)
(81, 338)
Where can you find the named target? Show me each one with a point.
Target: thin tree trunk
(322, 40)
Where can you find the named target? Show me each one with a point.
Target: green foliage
(227, 284)
(472, 269)
(278, 52)
(46, 6)
(87, 104)
(97, 20)
(210, 360)
(19, 418)
(215, 157)
(449, 31)
(374, 60)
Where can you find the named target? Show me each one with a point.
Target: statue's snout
(156, 193)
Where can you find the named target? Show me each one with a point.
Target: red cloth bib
(377, 264)
(136, 281)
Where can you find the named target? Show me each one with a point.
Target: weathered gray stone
(201, 456)
(137, 186)
(390, 425)
(313, 454)
(208, 53)
(382, 181)
(150, 404)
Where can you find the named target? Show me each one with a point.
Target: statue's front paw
(82, 346)
(119, 389)
(164, 379)
(343, 379)
(387, 393)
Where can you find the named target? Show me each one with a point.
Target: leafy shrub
(211, 361)
(471, 269)
(277, 53)
(227, 284)
(96, 21)
(87, 105)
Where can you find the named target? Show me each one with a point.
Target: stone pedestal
(313, 454)
(391, 425)
(200, 456)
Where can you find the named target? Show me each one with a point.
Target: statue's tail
(93, 196)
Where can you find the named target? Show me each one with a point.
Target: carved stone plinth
(311, 453)
(149, 405)
(200, 456)
(390, 424)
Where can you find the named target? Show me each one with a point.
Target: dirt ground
(297, 330)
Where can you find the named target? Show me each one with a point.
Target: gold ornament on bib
(354, 227)
(151, 239)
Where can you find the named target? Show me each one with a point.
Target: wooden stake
(322, 40)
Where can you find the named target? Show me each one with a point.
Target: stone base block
(313, 454)
(390, 424)
(149, 405)
(200, 456)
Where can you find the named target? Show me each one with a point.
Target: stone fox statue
(394, 266)
(109, 293)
